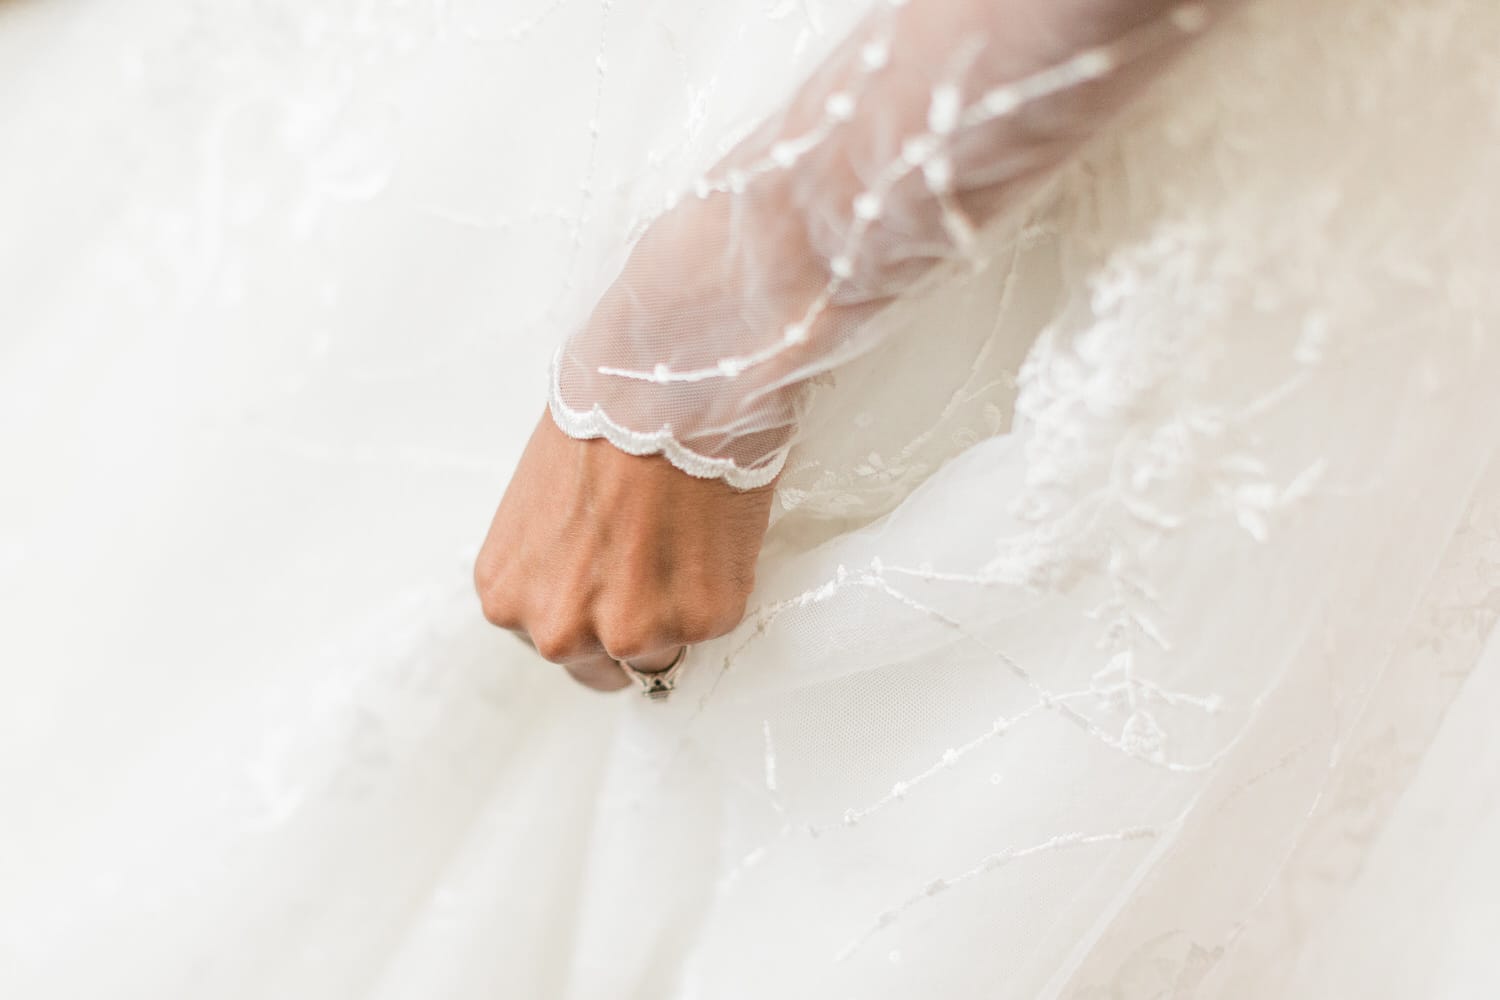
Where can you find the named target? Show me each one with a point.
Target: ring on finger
(657, 685)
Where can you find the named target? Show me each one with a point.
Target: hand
(596, 556)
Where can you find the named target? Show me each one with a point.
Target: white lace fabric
(1115, 594)
(913, 134)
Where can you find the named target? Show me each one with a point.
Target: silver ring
(657, 684)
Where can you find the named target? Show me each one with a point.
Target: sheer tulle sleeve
(924, 125)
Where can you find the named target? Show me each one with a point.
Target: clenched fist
(596, 556)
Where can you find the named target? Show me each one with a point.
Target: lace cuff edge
(584, 425)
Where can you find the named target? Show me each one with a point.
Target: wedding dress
(1126, 625)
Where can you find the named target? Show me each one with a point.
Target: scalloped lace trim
(595, 423)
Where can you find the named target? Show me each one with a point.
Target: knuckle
(498, 609)
(486, 574)
(496, 597)
(625, 636)
(550, 648)
(709, 618)
(557, 644)
(696, 625)
(628, 645)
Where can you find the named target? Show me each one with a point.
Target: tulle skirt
(1125, 627)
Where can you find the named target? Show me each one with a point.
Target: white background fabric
(1109, 612)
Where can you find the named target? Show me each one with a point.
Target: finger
(656, 660)
(599, 673)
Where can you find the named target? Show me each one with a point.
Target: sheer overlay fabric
(912, 134)
(1126, 626)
